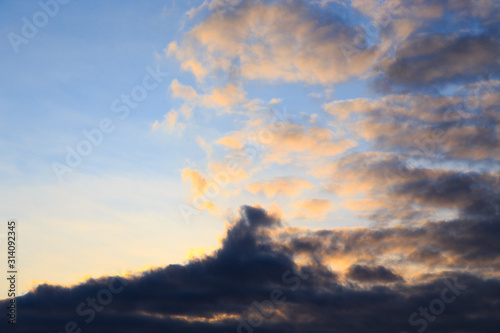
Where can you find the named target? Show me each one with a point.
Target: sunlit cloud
(280, 186)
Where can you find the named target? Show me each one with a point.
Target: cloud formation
(232, 290)
(271, 41)
(449, 42)
(462, 126)
(287, 186)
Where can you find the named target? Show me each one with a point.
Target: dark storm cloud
(473, 193)
(244, 269)
(454, 41)
(216, 293)
(369, 274)
(443, 59)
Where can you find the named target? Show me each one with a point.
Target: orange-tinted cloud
(273, 41)
(287, 186)
(315, 208)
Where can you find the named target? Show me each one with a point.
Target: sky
(252, 166)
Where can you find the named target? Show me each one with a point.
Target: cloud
(233, 141)
(315, 208)
(200, 186)
(368, 204)
(198, 181)
(388, 184)
(462, 126)
(218, 181)
(342, 109)
(283, 142)
(287, 186)
(274, 41)
(372, 274)
(435, 43)
(170, 123)
(228, 171)
(226, 96)
(470, 192)
(414, 251)
(181, 91)
(289, 141)
(442, 59)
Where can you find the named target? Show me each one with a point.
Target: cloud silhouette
(256, 282)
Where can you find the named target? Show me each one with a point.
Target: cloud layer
(270, 278)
